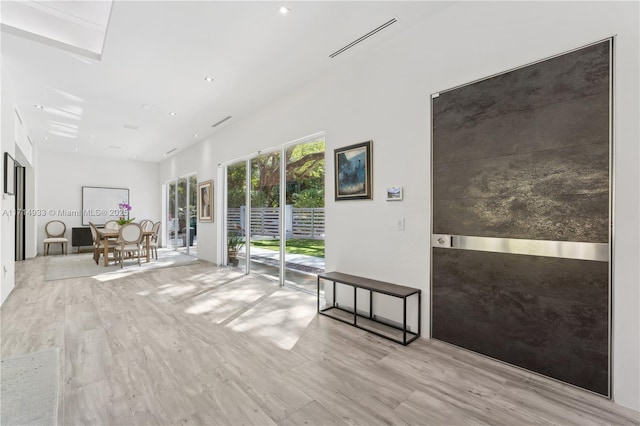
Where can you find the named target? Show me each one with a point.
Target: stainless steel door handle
(440, 240)
(562, 249)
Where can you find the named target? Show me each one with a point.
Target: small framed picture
(205, 201)
(353, 172)
(394, 193)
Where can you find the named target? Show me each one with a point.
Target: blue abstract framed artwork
(353, 172)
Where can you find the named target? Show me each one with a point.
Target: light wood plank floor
(204, 345)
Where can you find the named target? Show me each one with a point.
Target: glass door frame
(282, 197)
(167, 185)
(247, 211)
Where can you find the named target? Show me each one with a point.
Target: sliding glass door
(304, 214)
(181, 230)
(172, 216)
(265, 215)
(235, 215)
(284, 223)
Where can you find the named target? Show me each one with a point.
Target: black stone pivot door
(523, 157)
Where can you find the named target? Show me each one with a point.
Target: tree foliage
(305, 178)
(236, 184)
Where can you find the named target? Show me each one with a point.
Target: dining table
(106, 234)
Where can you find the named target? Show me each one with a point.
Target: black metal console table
(372, 286)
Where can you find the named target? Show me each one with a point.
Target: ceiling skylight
(76, 26)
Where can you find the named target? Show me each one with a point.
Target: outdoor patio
(301, 270)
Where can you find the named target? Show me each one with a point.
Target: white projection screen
(100, 205)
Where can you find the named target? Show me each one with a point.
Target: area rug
(83, 265)
(30, 389)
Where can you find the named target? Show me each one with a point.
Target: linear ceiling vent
(18, 115)
(131, 127)
(30, 141)
(222, 121)
(364, 37)
(170, 151)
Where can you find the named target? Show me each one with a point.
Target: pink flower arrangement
(125, 208)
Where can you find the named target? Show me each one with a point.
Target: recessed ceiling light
(172, 113)
(76, 149)
(284, 10)
(38, 106)
(46, 138)
(196, 135)
(207, 78)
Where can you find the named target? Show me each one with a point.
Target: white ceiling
(156, 56)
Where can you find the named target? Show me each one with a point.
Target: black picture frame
(100, 204)
(353, 172)
(9, 174)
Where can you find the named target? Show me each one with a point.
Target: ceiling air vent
(364, 37)
(222, 121)
(131, 127)
(170, 151)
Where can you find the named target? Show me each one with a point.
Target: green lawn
(308, 247)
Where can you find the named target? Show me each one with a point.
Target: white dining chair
(55, 230)
(146, 224)
(111, 224)
(153, 241)
(98, 243)
(129, 238)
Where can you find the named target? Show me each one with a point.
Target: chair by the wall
(55, 231)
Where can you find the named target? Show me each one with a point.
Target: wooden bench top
(369, 284)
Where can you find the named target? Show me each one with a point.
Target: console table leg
(404, 321)
(333, 297)
(355, 305)
(370, 304)
(419, 312)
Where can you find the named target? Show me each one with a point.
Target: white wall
(7, 220)
(15, 141)
(381, 92)
(25, 155)
(60, 179)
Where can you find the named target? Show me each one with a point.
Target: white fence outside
(308, 223)
(302, 223)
